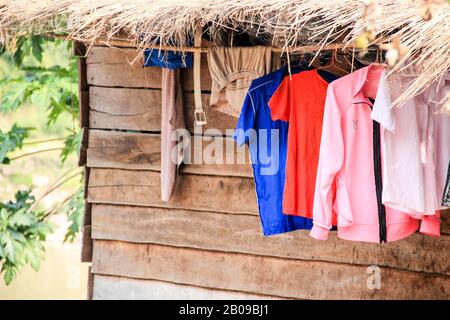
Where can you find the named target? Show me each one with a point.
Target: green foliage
(25, 46)
(11, 141)
(72, 142)
(22, 235)
(74, 210)
(54, 89)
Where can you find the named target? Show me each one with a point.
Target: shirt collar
(361, 77)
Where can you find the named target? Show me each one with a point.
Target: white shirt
(415, 145)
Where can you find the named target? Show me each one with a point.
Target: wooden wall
(206, 242)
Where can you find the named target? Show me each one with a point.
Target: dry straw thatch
(288, 22)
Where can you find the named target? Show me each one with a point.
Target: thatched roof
(285, 23)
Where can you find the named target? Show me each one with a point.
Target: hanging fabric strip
(172, 118)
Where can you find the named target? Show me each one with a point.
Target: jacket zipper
(378, 178)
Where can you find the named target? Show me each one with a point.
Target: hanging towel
(172, 118)
(232, 71)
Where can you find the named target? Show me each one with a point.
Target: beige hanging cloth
(232, 71)
(172, 118)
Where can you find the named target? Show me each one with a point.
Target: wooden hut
(206, 243)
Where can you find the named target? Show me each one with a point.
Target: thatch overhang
(279, 23)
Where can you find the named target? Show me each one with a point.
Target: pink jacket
(349, 173)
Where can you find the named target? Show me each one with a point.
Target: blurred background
(40, 182)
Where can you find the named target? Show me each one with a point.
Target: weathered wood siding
(206, 242)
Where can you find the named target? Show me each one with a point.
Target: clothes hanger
(335, 59)
(333, 66)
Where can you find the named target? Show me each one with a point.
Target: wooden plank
(90, 285)
(113, 67)
(445, 221)
(142, 188)
(120, 288)
(87, 216)
(120, 108)
(82, 74)
(217, 194)
(142, 151)
(262, 275)
(79, 49)
(84, 108)
(82, 157)
(86, 244)
(86, 173)
(140, 109)
(241, 233)
(124, 150)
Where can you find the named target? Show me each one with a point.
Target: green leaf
(12, 140)
(75, 212)
(22, 218)
(14, 97)
(71, 144)
(41, 229)
(41, 98)
(9, 273)
(20, 52)
(8, 246)
(36, 47)
(19, 237)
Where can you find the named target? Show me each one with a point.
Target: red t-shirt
(300, 99)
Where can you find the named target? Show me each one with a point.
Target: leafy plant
(23, 228)
(22, 235)
(11, 141)
(74, 209)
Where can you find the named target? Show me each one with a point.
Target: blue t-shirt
(269, 165)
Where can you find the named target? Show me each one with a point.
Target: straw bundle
(172, 22)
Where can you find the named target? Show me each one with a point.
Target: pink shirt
(350, 160)
(416, 145)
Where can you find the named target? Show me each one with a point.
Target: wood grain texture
(113, 67)
(142, 188)
(84, 108)
(87, 216)
(120, 288)
(196, 192)
(86, 244)
(445, 221)
(82, 157)
(242, 233)
(142, 151)
(140, 109)
(263, 275)
(86, 172)
(90, 285)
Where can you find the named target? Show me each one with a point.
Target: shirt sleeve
(383, 112)
(331, 159)
(281, 101)
(246, 120)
